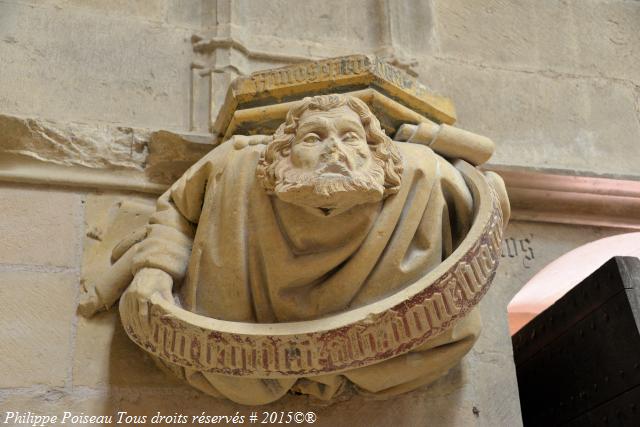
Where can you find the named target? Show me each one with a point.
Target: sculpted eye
(310, 138)
(351, 137)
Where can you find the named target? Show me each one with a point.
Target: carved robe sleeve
(458, 207)
(171, 228)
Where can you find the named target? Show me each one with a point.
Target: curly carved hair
(383, 149)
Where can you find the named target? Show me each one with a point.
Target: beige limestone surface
(36, 324)
(72, 62)
(554, 62)
(329, 166)
(504, 64)
(547, 121)
(103, 357)
(111, 374)
(105, 382)
(32, 216)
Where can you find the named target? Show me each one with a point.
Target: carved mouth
(336, 169)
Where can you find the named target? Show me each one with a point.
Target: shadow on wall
(560, 276)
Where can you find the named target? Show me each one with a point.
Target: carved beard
(333, 186)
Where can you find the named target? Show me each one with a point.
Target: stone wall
(555, 84)
(56, 361)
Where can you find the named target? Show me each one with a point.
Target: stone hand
(146, 283)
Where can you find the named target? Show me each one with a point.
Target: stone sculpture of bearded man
(330, 154)
(329, 215)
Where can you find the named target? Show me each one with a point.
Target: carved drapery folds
(350, 340)
(327, 257)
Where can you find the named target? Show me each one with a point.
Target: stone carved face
(331, 155)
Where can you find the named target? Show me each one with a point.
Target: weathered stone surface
(455, 408)
(50, 402)
(531, 75)
(497, 401)
(512, 34)
(330, 22)
(105, 357)
(141, 9)
(36, 327)
(579, 37)
(109, 218)
(257, 103)
(31, 217)
(29, 147)
(80, 64)
(74, 144)
(191, 14)
(403, 44)
(609, 40)
(584, 124)
(170, 155)
(382, 309)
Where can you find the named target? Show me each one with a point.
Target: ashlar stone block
(36, 323)
(545, 120)
(107, 68)
(105, 357)
(39, 226)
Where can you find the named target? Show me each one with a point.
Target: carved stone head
(330, 154)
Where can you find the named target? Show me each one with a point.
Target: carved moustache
(333, 185)
(335, 162)
(339, 168)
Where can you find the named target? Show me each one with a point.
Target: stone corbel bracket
(356, 338)
(257, 104)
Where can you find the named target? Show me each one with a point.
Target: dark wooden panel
(582, 354)
(619, 412)
(601, 285)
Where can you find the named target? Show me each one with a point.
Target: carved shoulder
(416, 156)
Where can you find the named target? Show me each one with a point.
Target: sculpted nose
(331, 145)
(333, 150)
